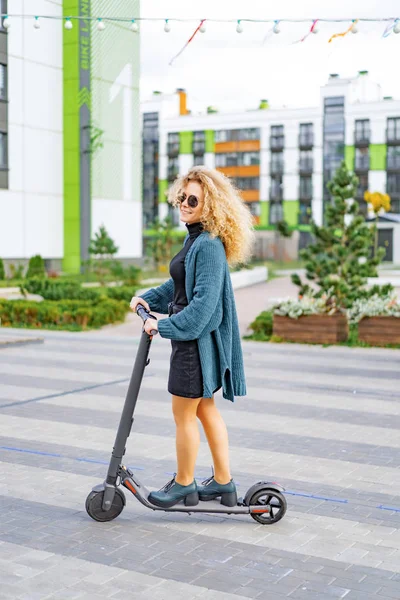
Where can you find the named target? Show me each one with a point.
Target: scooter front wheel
(94, 506)
(271, 499)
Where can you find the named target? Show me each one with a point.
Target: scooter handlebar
(144, 315)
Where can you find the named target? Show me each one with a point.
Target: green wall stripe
(264, 216)
(72, 250)
(185, 142)
(210, 140)
(291, 212)
(349, 154)
(162, 190)
(377, 157)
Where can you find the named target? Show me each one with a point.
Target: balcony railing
(277, 143)
(275, 195)
(276, 168)
(199, 148)
(306, 165)
(305, 193)
(393, 163)
(362, 163)
(362, 138)
(306, 140)
(173, 149)
(392, 137)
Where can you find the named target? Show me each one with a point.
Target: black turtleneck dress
(185, 376)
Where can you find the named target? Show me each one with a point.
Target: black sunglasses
(192, 200)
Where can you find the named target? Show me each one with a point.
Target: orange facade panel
(250, 195)
(238, 146)
(248, 171)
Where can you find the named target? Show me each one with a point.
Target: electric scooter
(263, 501)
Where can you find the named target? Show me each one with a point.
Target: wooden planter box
(315, 329)
(379, 331)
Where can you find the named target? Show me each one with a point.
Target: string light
(134, 26)
(202, 28)
(276, 28)
(36, 23)
(68, 23)
(167, 26)
(396, 27)
(6, 23)
(239, 27)
(100, 25)
(354, 28)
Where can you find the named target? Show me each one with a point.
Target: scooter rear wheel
(94, 506)
(276, 503)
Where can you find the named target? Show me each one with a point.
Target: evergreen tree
(102, 246)
(340, 257)
(36, 267)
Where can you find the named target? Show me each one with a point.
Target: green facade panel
(210, 140)
(72, 250)
(162, 190)
(377, 157)
(264, 212)
(349, 154)
(291, 212)
(186, 142)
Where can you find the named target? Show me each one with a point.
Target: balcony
(199, 148)
(393, 137)
(393, 163)
(361, 163)
(276, 168)
(306, 141)
(277, 143)
(173, 149)
(362, 138)
(306, 165)
(275, 195)
(172, 173)
(305, 193)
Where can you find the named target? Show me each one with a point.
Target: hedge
(51, 289)
(64, 314)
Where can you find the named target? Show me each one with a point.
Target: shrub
(262, 325)
(16, 271)
(51, 289)
(122, 293)
(307, 305)
(2, 272)
(375, 306)
(36, 267)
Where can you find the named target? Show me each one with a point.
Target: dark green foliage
(283, 228)
(123, 293)
(262, 324)
(65, 314)
(36, 267)
(53, 289)
(162, 241)
(102, 246)
(340, 256)
(130, 274)
(2, 271)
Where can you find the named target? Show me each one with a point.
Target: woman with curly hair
(203, 329)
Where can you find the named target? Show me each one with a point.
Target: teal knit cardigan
(210, 317)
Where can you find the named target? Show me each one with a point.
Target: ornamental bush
(36, 267)
(375, 306)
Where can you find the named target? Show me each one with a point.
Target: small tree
(380, 203)
(2, 271)
(102, 248)
(36, 267)
(160, 246)
(340, 257)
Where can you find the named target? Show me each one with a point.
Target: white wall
(33, 204)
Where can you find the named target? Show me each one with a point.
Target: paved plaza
(323, 422)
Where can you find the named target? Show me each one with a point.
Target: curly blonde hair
(225, 214)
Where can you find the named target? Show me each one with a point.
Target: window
(3, 82)
(305, 191)
(275, 212)
(276, 189)
(198, 160)
(3, 151)
(199, 136)
(362, 159)
(393, 129)
(306, 161)
(4, 11)
(231, 135)
(393, 184)
(233, 159)
(173, 168)
(362, 131)
(276, 162)
(362, 187)
(305, 212)
(393, 158)
(306, 137)
(173, 144)
(277, 137)
(247, 183)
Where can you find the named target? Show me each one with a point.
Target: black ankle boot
(173, 492)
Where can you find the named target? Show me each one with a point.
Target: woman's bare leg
(187, 437)
(217, 437)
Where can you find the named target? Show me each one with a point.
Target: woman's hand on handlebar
(135, 301)
(150, 325)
